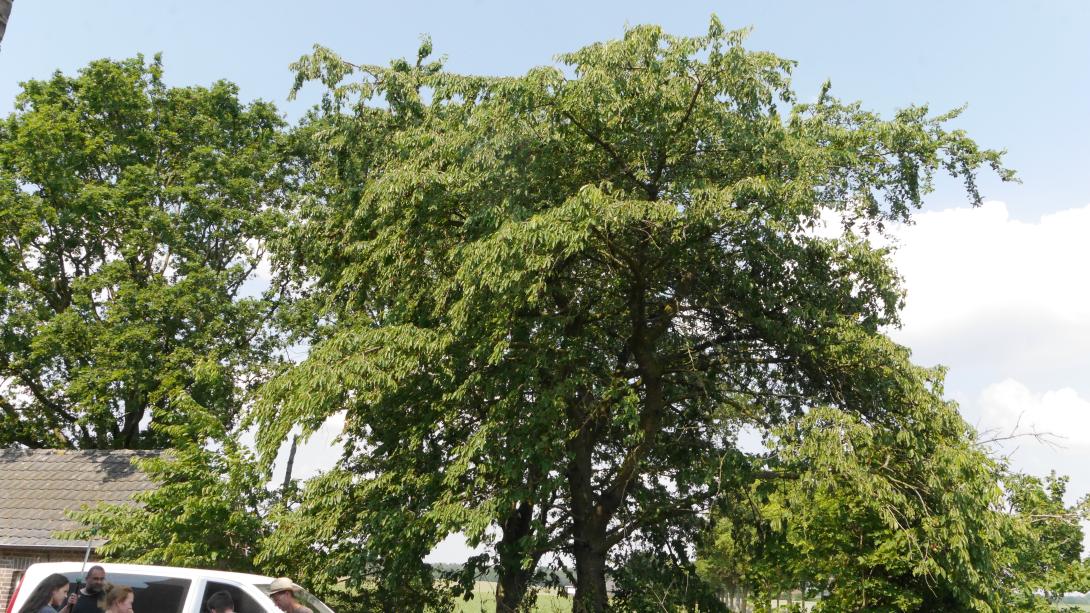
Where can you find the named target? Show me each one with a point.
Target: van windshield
(304, 597)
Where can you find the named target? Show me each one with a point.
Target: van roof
(166, 571)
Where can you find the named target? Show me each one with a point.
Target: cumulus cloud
(453, 550)
(1063, 415)
(972, 260)
(263, 271)
(996, 296)
(1005, 304)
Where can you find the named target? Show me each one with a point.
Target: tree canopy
(132, 216)
(547, 305)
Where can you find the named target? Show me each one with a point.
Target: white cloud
(264, 266)
(453, 550)
(1005, 304)
(996, 295)
(1010, 406)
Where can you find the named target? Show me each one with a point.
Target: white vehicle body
(168, 589)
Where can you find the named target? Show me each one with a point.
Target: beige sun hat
(283, 584)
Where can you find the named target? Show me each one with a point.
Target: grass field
(485, 601)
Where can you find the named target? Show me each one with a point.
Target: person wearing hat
(282, 591)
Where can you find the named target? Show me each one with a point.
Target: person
(119, 599)
(220, 602)
(50, 593)
(282, 591)
(91, 592)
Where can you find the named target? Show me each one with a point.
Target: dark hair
(93, 569)
(220, 601)
(41, 594)
(116, 594)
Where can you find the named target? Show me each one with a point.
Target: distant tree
(539, 300)
(132, 217)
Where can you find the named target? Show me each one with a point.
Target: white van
(167, 589)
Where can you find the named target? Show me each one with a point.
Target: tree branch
(608, 149)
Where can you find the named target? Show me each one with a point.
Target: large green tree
(132, 217)
(546, 304)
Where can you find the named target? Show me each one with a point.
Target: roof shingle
(37, 486)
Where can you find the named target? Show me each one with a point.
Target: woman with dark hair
(49, 594)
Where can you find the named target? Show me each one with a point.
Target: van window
(244, 603)
(305, 598)
(150, 592)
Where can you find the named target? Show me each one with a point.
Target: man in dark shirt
(91, 591)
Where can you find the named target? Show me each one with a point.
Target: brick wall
(14, 561)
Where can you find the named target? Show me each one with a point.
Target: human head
(282, 592)
(95, 579)
(119, 599)
(221, 602)
(45, 593)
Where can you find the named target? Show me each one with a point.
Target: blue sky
(1021, 66)
(999, 294)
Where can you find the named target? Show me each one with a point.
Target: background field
(485, 601)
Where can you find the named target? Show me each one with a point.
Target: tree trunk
(135, 408)
(514, 575)
(589, 522)
(592, 510)
(511, 590)
(291, 464)
(590, 574)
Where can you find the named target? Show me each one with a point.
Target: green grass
(484, 600)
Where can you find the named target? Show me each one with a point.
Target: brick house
(37, 486)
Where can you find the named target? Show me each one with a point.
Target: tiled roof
(37, 486)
